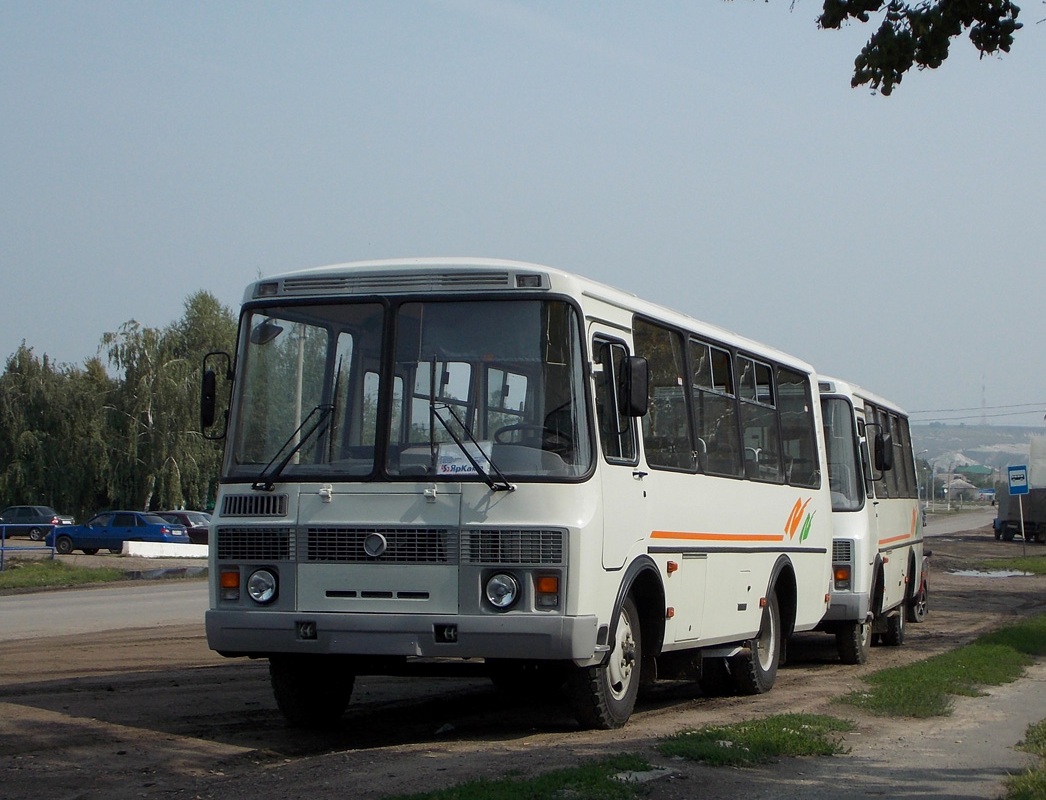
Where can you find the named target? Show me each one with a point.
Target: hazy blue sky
(707, 155)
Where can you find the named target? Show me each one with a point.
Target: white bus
(498, 463)
(879, 577)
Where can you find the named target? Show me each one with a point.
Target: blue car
(110, 529)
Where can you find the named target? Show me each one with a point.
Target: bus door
(621, 478)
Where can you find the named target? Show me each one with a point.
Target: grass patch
(53, 574)
(759, 741)
(1034, 565)
(926, 688)
(590, 781)
(1032, 784)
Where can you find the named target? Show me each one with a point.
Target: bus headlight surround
(502, 591)
(262, 586)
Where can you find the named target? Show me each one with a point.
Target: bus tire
(894, 635)
(311, 691)
(603, 696)
(919, 604)
(853, 639)
(755, 669)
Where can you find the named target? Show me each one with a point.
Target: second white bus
(879, 580)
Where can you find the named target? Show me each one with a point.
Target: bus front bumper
(261, 633)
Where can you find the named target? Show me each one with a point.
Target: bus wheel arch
(754, 670)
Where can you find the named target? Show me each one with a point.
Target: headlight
(261, 586)
(502, 590)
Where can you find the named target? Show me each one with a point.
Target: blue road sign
(1018, 479)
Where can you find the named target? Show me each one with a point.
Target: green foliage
(591, 781)
(919, 34)
(80, 439)
(1032, 784)
(924, 689)
(52, 574)
(759, 741)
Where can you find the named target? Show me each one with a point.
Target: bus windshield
(322, 396)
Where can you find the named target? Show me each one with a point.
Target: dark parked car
(197, 523)
(34, 521)
(110, 529)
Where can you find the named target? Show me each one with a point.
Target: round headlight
(502, 590)
(261, 586)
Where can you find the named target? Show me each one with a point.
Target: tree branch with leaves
(919, 34)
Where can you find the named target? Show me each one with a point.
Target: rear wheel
(604, 696)
(64, 545)
(90, 551)
(755, 669)
(311, 691)
(36, 535)
(853, 640)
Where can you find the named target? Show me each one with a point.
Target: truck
(1007, 523)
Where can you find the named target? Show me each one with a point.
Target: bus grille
(842, 551)
(254, 544)
(254, 505)
(401, 545)
(513, 546)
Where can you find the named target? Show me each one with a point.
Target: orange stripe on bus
(718, 537)
(895, 538)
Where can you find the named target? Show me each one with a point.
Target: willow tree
(52, 436)
(159, 457)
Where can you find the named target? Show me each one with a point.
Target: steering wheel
(538, 437)
(529, 435)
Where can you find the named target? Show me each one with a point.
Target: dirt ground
(154, 713)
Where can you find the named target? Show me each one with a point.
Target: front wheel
(919, 606)
(853, 640)
(64, 545)
(755, 669)
(603, 696)
(311, 691)
(894, 636)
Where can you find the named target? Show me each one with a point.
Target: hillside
(991, 445)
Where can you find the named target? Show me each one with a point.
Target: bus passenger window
(715, 409)
(666, 426)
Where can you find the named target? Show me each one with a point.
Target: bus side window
(666, 426)
(715, 409)
(759, 421)
(798, 429)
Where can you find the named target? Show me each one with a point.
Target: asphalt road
(143, 604)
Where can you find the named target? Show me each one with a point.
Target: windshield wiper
(499, 485)
(296, 441)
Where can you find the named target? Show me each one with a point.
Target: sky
(710, 156)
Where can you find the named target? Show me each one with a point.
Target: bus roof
(467, 274)
(829, 385)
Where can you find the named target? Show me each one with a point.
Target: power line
(979, 408)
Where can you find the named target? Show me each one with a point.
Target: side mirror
(211, 397)
(207, 399)
(635, 386)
